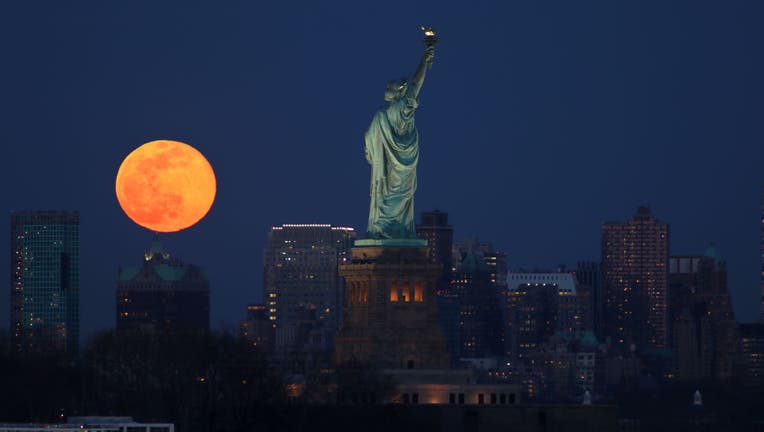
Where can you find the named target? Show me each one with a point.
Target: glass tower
(45, 282)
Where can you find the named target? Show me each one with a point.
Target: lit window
(394, 291)
(418, 294)
(405, 292)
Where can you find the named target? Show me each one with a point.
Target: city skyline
(609, 107)
(567, 267)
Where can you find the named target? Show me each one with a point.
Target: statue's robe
(392, 150)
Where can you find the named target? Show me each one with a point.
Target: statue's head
(395, 89)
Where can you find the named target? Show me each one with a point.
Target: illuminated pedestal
(390, 309)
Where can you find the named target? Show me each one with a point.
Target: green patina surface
(128, 273)
(167, 272)
(392, 150)
(411, 242)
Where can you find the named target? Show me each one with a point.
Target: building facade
(537, 306)
(752, 355)
(163, 294)
(302, 272)
(589, 277)
(762, 254)
(702, 322)
(635, 281)
(45, 282)
(434, 228)
(478, 282)
(257, 329)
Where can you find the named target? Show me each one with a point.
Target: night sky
(538, 121)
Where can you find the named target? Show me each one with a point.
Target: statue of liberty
(392, 150)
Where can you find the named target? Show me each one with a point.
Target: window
(394, 291)
(511, 398)
(418, 291)
(503, 398)
(410, 364)
(493, 398)
(405, 293)
(452, 398)
(480, 399)
(415, 398)
(406, 399)
(461, 398)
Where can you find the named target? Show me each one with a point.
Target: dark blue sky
(538, 121)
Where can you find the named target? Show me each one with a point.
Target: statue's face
(395, 90)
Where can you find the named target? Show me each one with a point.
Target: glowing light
(165, 186)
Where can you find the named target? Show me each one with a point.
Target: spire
(156, 248)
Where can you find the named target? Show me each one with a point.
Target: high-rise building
(45, 282)
(479, 282)
(591, 302)
(162, 294)
(258, 329)
(752, 355)
(702, 323)
(302, 272)
(439, 234)
(538, 305)
(635, 279)
(762, 254)
(434, 228)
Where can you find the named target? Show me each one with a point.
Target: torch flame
(428, 31)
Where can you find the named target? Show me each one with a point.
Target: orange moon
(165, 186)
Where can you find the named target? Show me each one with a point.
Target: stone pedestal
(390, 309)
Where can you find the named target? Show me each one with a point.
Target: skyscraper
(302, 271)
(762, 254)
(635, 278)
(752, 355)
(439, 234)
(479, 283)
(163, 294)
(538, 305)
(45, 282)
(434, 228)
(589, 276)
(702, 323)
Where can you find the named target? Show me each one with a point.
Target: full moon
(165, 186)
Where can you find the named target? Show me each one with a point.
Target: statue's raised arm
(418, 78)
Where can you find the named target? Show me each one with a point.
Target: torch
(430, 40)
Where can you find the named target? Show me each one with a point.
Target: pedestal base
(390, 309)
